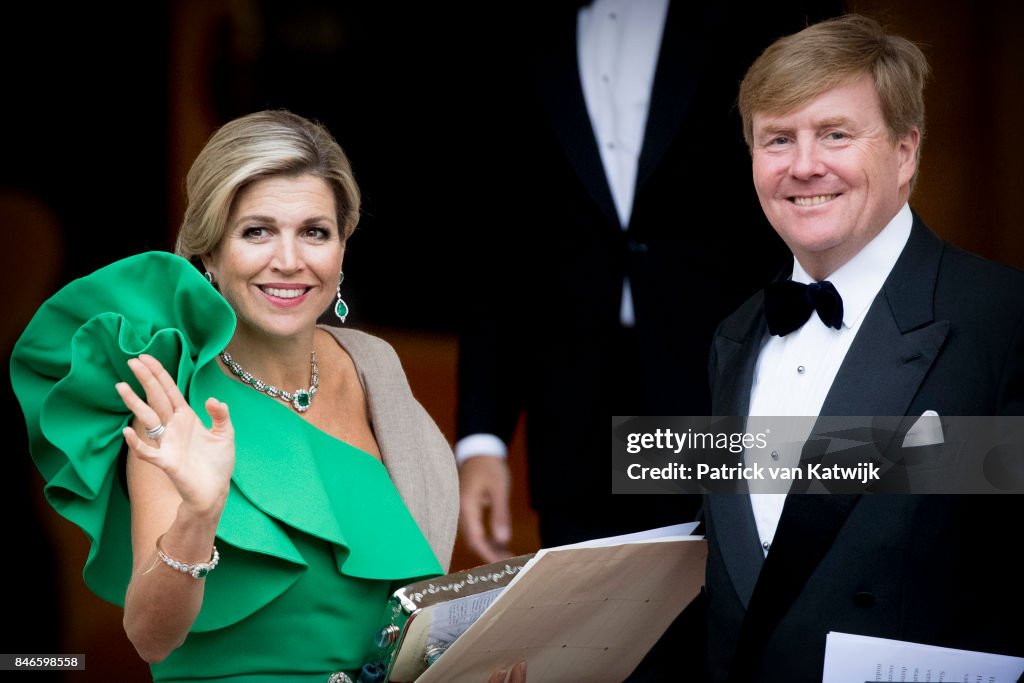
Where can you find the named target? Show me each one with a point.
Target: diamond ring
(156, 432)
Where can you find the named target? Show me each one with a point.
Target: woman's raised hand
(197, 460)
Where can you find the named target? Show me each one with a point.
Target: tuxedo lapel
(739, 546)
(680, 63)
(734, 354)
(562, 94)
(735, 349)
(807, 529)
(898, 340)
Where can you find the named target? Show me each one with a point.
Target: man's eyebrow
(773, 128)
(834, 122)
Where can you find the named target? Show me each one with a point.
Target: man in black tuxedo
(578, 317)
(898, 323)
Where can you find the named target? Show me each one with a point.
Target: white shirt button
(800, 369)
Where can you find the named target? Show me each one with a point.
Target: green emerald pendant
(341, 310)
(301, 400)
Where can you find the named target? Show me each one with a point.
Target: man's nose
(807, 161)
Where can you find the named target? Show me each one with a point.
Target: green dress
(313, 534)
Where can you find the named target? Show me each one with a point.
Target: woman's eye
(253, 232)
(318, 233)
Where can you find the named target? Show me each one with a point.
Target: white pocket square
(927, 431)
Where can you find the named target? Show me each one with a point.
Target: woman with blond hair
(253, 484)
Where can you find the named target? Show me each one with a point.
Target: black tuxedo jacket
(547, 298)
(946, 333)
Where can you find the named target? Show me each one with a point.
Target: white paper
(674, 530)
(856, 659)
(664, 533)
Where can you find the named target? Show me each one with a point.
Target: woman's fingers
(144, 413)
(164, 402)
(156, 395)
(163, 399)
(164, 379)
(499, 676)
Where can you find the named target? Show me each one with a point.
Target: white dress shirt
(617, 43)
(794, 373)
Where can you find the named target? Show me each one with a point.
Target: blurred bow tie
(788, 305)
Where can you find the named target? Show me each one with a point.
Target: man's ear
(907, 148)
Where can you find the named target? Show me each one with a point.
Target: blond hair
(249, 148)
(795, 69)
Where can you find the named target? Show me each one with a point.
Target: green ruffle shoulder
(289, 476)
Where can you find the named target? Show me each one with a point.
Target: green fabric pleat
(289, 476)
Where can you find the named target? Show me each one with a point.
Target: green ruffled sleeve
(63, 371)
(289, 476)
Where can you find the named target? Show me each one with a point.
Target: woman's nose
(287, 256)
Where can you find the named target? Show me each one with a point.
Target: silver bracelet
(196, 571)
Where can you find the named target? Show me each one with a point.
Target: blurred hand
(197, 460)
(516, 674)
(484, 510)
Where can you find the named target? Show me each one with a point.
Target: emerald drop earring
(341, 308)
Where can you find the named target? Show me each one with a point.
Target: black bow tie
(788, 305)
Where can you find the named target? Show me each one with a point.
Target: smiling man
(876, 317)
(831, 175)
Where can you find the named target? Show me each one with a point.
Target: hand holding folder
(588, 611)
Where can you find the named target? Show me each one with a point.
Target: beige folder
(587, 612)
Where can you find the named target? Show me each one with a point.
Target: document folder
(583, 612)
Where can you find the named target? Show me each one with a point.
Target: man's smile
(813, 201)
